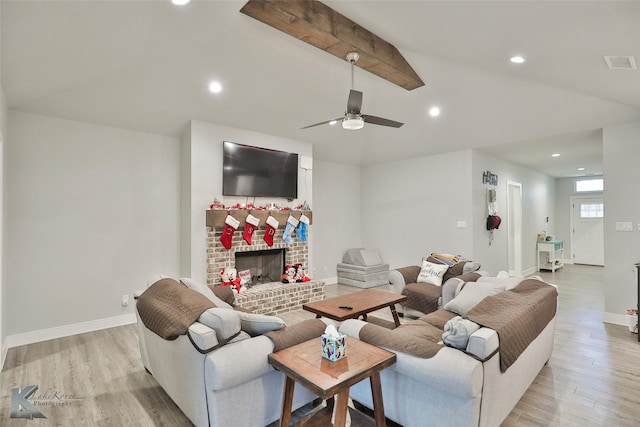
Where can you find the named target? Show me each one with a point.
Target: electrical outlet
(125, 300)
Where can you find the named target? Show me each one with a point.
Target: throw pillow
(204, 290)
(507, 282)
(455, 270)
(470, 267)
(431, 273)
(258, 324)
(471, 294)
(225, 322)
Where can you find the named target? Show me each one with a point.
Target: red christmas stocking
(272, 226)
(249, 227)
(230, 226)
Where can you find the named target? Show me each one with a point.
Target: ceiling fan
(353, 118)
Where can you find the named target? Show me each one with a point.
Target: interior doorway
(514, 228)
(587, 230)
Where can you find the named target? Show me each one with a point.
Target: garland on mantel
(217, 204)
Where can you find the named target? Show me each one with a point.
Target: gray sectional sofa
(456, 387)
(217, 371)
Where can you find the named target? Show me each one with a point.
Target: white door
(514, 223)
(587, 238)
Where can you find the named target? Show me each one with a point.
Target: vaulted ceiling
(145, 65)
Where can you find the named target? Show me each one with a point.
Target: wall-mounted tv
(258, 172)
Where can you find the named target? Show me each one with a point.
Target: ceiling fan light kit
(352, 122)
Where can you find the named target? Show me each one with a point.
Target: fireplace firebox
(266, 265)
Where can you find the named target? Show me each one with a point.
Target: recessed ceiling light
(215, 87)
(333, 122)
(580, 169)
(555, 155)
(434, 111)
(180, 2)
(517, 59)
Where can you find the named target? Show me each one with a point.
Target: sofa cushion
(431, 273)
(225, 322)
(258, 324)
(422, 296)
(471, 294)
(204, 290)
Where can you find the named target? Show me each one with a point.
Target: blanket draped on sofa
(420, 338)
(168, 308)
(524, 312)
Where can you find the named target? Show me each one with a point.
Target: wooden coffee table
(361, 303)
(303, 363)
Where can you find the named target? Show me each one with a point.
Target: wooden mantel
(216, 217)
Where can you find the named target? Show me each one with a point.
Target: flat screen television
(258, 172)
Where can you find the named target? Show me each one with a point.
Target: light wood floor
(592, 379)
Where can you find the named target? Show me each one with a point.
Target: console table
(554, 250)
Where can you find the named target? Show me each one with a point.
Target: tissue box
(334, 348)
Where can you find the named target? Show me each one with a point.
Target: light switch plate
(624, 226)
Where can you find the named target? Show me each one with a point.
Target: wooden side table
(303, 363)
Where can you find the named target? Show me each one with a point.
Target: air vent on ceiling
(620, 62)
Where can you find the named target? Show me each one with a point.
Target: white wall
(205, 174)
(621, 152)
(538, 201)
(91, 213)
(337, 214)
(410, 208)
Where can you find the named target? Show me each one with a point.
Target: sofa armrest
(483, 343)
(401, 277)
(202, 336)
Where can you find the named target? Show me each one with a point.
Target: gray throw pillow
(471, 294)
(258, 324)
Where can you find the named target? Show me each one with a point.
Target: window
(592, 210)
(584, 185)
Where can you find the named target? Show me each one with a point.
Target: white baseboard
(616, 319)
(529, 271)
(330, 280)
(65, 331)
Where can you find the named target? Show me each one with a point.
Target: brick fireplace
(268, 298)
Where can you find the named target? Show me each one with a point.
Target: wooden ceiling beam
(317, 24)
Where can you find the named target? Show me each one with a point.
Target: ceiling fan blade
(354, 103)
(323, 123)
(380, 121)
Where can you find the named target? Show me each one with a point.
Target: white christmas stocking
(292, 223)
